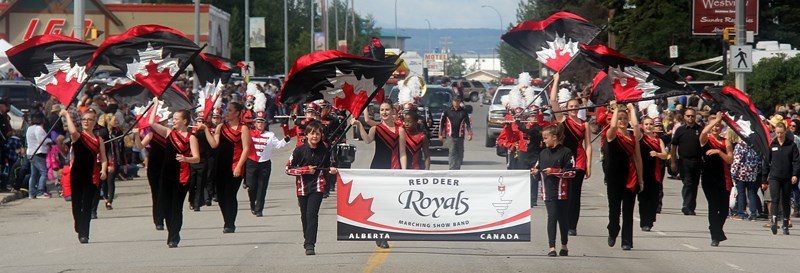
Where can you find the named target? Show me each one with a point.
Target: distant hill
(481, 40)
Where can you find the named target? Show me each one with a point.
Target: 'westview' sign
(709, 17)
(417, 205)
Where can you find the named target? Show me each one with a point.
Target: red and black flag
(134, 94)
(334, 72)
(552, 41)
(57, 64)
(741, 116)
(150, 55)
(602, 91)
(633, 80)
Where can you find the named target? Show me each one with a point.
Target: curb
(10, 197)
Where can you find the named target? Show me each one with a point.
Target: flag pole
(549, 83)
(169, 84)
(83, 84)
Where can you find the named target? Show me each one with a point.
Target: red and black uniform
(175, 183)
(621, 186)
(310, 186)
(508, 138)
(414, 153)
(387, 143)
(716, 183)
(85, 177)
(154, 164)
(200, 182)
(300, 130)
(555, 190)
(229, 151)
(574, 136)
(653, 175)
(532, 133)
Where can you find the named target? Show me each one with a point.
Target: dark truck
(431, 107)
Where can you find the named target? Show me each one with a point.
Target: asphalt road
(37, 236)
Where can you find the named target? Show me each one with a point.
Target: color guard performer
(652, 153)
(622, 179)
(155, 161)
(716, 181)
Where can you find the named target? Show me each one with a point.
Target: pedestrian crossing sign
(740, 58)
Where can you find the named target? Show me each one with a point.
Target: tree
(773, 81)
(455, 66)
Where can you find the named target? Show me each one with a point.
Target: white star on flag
(744, 125)
(559, 43)
(77, 72)
(363, 84)
(151, 54)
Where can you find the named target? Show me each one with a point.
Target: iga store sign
(709, 17)
(416, 205)
(53, 26)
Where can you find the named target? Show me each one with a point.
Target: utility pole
(336, 21)
(77, 19)
(323, 10)
(311, 15)
(197, 22)
(446, 50)
(741, 32)
(285, 38)
(246, 31)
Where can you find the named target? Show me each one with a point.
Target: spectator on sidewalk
(34, 136)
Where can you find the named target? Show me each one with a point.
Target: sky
(441, 13)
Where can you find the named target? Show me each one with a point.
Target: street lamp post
(285, 38)
(395, 24)
(501, 27)
(429, 35)
(246, 31)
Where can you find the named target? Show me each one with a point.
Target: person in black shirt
(529, 155)
(623, 179)
(555, 164)
(782, 168)
(686, 143)
(455, 125)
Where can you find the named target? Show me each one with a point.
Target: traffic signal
(729, 35)
(93, 33)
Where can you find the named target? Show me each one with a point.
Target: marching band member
(155, 161)
(88, 167)
(652, 152)
(579, 140)
(555, 165)
(417, 143)
(232, 141)
(310, 163)
(716, 180)
(622, 179)
(181, 150)
(259, 164)
(390, 144)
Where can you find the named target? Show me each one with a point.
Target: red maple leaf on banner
(64, 90)
(352, 102)
(628, 91)
(154, 80)
(360, 210)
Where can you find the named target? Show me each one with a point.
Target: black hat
(457, 98)
(3, 102)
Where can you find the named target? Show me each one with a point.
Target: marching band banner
(402, 205)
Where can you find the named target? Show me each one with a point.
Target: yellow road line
(377, 259)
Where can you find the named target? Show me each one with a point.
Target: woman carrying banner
(232, 143)
(556, 167)
(579, 140)
(181, 150)
(716, 180)
(416, 143)
(86, 173)
(390, 144)
(155, 160)
(622, 173)
(311, 164)
(783, 168)
(652, 152)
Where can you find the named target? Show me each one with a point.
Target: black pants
(690, 175)
(309, 216)
(197, 184)
(173, 195)
(717, 196)
(620, 197)
(780, 192)
(83, 193)
(108, 187)
(227, 187)
(574, 199)
(534, 190)
(211, 181)
(153, 180)
(557, 212)
(257, 179)
(649, 201)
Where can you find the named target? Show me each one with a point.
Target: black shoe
(382, 243)
(612, 241)
(563, 252)
(259, 214)
(785, 230)
(208, 203)
(83, 240)
(228, 230)
(692, 213)
(94, 215)
(774, 228)
(172, 244)
(196, 209)
(686, 211)
(191, 207)
(326, 195)
(626, 247)
(159, 227)
(215, 199)
(253, 211)
(572, 232)
(552, 253)
(714, 243)
(646, 228)
(310, 251)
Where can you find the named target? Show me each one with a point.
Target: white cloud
(441, 13)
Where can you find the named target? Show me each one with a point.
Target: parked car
(472, 89)
(22, 94)
(435, 101)
(490, 89)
